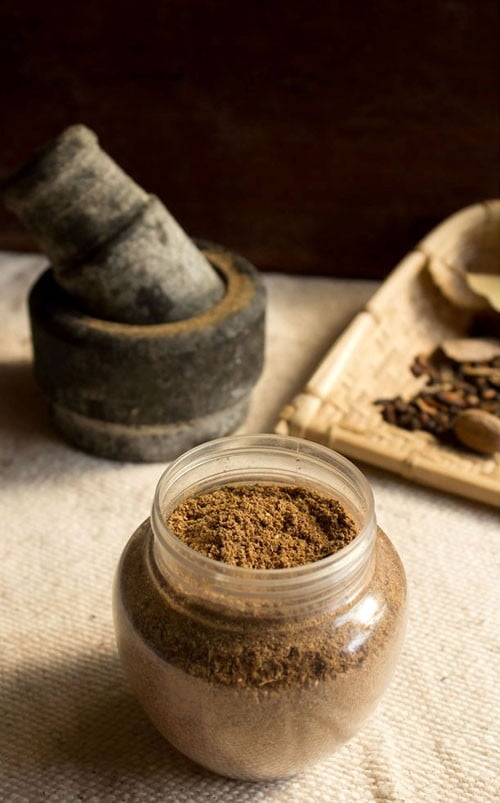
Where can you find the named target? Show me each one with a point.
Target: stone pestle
(113, 247)
(145, 343)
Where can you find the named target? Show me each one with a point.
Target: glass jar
(257, 673)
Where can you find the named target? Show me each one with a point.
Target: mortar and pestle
(145, 342)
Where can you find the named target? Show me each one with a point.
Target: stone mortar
(148, 393)
(145, 344)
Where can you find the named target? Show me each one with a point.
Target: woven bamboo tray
(372, 359)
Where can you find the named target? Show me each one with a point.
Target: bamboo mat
(372, 359)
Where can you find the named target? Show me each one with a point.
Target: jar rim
(319, 574)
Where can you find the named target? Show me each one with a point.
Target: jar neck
(269, 459)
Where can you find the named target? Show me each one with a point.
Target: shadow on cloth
(23, 409)
(78, 723)
(30, 446)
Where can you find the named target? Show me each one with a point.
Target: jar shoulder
(260, 650)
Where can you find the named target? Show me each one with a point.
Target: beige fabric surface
(70, 728)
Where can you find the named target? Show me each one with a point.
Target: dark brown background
(312, 137)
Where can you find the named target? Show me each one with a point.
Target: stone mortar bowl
(149, 392)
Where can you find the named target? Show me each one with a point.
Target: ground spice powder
(251, 694)
(263, 526)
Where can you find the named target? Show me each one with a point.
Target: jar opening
(266, 459)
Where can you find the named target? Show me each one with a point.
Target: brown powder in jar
(234, 647)
(249, 691)
(257, 696)
(263, 526)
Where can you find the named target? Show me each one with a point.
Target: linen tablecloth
(70, 728)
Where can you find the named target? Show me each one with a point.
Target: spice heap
(460, 402)
(263, 526)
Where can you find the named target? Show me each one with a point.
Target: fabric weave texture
(70, 728)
